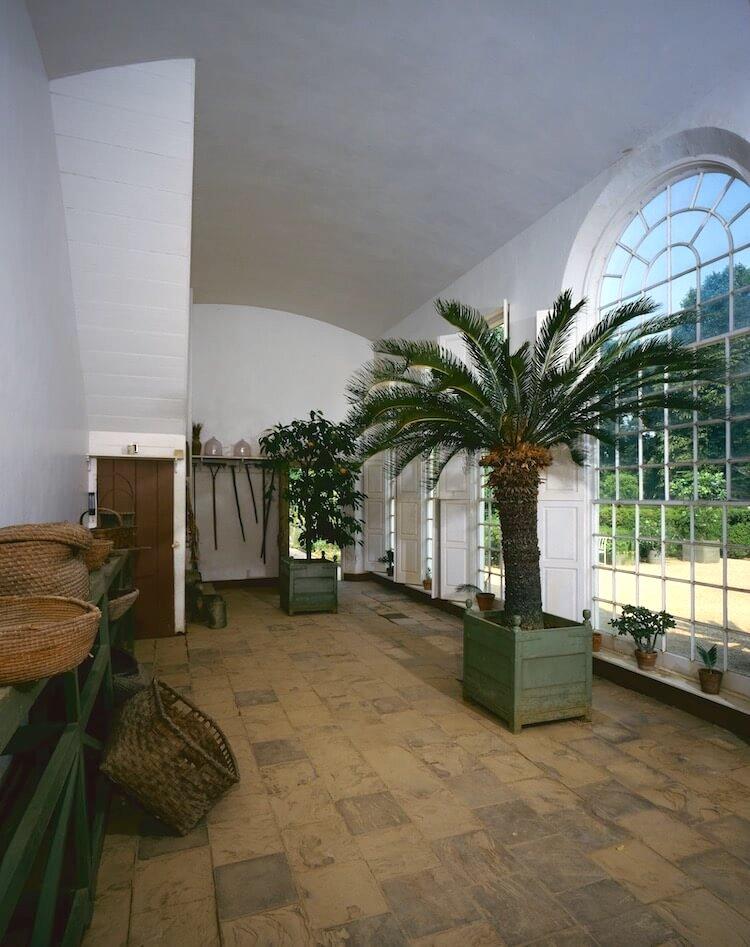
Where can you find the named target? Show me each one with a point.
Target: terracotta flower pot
(427, 585)
(596, 641)
(485, 601)
(646, 659)
(710, 680)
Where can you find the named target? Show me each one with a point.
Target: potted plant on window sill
(645, 628)
(709, 676)
(388, 560)
(484, 598)
(511, 410)
(321, 492)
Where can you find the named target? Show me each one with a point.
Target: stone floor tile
(254, 885)
(337, 894)
(596, 902)
(429, 901)
(545, 795)
(285, 927)
(611, 800)
(732, 832)
(647, 875)
(520, 908)
(558, 862)
(514, 822)
(270, 752)
(704, 920)
(438, 815)
(480, 788)
(251, 698)
(189, 925)
(172, 879)
(380, 931)
(638, 927)
(372, 812)
(723, 874)
(480, 934)
(319, 844)
(510, 767)
(396, 851)
(157, 839)
(474, 858)
(111, 921)
(586, 831)
(667, 835)
(246, 838)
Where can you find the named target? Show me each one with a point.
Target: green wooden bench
(53, 800)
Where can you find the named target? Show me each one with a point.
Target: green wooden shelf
(53, 799)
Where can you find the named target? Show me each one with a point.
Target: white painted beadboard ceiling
(354, 157)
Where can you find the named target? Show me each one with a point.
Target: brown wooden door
(145, 487)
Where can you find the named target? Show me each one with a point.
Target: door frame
(152, 447)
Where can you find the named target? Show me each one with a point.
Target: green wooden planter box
(528, 676)
(308, 585)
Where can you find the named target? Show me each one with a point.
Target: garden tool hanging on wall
(237, 502)
(252, 491)
(214, 469)
(267, 498)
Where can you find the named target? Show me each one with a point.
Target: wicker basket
(122, 537)
(44, 559)
(44, 635)
(97, 555)
(170, 756)
(118, 606)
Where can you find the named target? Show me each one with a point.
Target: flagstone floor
(377, 809)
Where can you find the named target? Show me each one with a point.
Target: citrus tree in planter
(510, 410)
(314, 456)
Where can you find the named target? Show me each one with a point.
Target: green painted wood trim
(19, 856)
(78, 919)
(15, 704)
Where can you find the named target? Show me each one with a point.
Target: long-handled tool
(267, 498)
(237, 503)
(252, 491)
(214, 468)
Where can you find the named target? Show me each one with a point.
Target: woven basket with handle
(43, 635)
(97, 555)
(44, 559)
(122, 537)
(118, 606)
(170, 756)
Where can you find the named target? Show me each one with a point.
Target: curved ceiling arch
(354, 158)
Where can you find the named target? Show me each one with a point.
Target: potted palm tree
(510, 410)
(314, 459)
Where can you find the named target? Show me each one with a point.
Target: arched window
(673, 521)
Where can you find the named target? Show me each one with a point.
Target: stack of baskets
(44, 559)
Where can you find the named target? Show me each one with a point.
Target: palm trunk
(515, 486)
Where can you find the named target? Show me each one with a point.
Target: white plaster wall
(532, 268)
(125, 150)
(252, 368)
(43, 416)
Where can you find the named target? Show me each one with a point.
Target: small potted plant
(649, 552)
(388, 561)
(427, 581)
(645, 628)
(196, 445)
(708, 675)
(485, 599)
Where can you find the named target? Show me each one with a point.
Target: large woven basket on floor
(118, 606)
(97, 554)
(169, 755)
(43, 635)
(44, 559)
(123, 537)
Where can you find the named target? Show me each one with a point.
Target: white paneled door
(374, 488)
(408, 524)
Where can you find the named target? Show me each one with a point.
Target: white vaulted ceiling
(353, 157)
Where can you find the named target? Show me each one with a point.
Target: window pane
(734, 200)
(650, 521)
(740, 438)
(684, 294)
(681, 259)
(738, 529)
(685, 225)
(741, 230)
(739, 358)
(712, 241)
(617, 261)
(711, 189)
(714, 317)
(715, 279)
(655, 209)
(633, 233)
(741, 481)
(654, 242)
(681, 192)
(742, 307)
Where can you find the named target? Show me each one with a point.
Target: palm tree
(510, 409)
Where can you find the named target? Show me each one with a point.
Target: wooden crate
(527, 676)
(308, 585)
